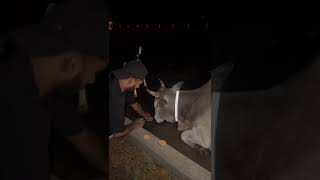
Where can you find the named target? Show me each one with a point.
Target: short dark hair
(132, 69)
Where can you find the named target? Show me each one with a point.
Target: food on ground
(162, 142)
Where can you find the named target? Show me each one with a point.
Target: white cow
(191, 109)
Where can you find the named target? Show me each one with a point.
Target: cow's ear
(177, 86)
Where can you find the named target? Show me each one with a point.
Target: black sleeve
(116, 113)
(66, 118)
(130, 99)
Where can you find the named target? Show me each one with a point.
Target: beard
(132, 88)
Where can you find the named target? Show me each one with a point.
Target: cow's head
(164, 102)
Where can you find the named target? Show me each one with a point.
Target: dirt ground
(129, 162)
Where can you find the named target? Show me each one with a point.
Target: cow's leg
(188, 138)
(193, 138)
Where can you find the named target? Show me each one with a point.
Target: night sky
(264, 54)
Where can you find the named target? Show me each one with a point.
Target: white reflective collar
(176, 106)
(135, 93)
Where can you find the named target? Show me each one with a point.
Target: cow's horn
(153, 93)
(145, 83)
(162, 83)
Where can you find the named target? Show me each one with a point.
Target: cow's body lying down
(194, 109)
(194, 112)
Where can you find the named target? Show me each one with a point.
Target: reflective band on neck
(135, 93)
(176, 106)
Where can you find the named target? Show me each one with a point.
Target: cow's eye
(164, 101)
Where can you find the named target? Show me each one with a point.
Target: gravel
(129, 162)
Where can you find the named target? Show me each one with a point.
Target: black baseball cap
(135, 69)
(79, 25)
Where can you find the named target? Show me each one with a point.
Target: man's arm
(92, 147)
(68, 123)
(134, 125)
(132, 101)
(136, 106)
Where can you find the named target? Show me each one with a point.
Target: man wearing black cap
(122, 82)
(57, 58)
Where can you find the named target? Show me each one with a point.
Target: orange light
(110, 25)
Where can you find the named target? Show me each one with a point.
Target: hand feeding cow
(190, 108)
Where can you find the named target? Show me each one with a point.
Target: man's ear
(131, 80)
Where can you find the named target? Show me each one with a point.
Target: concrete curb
(174, 161)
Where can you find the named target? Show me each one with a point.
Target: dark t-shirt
(64, 114)
(117, 102)
(27, 125)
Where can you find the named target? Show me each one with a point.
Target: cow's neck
(186, 100)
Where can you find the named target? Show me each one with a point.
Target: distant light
(110, 25)
(137, 25)
(172, 26)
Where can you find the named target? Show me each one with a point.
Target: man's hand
(120, 134)
(147, 116)
(138, 109)
(139, 123)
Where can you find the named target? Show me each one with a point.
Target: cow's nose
(158, 120)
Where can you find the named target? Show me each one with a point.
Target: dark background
(265, 54)
(67, 162)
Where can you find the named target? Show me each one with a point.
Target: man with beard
(121, 85)
(54, 59)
